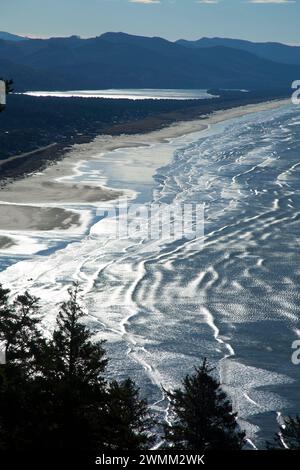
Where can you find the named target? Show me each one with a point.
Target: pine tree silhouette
(74, 357)
(72, 378)
(128, 421)
(19, 330)
(203, 416)
(53, 394)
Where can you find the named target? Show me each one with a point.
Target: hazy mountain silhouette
(11, 37)
(119, 60)
(268, 50)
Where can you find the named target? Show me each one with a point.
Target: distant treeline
(55, 395)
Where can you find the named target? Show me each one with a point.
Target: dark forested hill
(118, 60)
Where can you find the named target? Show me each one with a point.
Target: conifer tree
(203, 416)
(72, 376)
(128, 420)
(5, 314)
(21, 339)
(75, 358)
(19, 329)
(53, 395)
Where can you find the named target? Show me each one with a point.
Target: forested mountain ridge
(119, 60)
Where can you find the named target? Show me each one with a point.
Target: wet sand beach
(53, 186)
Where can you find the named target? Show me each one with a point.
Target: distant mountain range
(119, 60)
(268, 50)
(11, 37)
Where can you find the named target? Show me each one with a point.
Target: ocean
(163, 305)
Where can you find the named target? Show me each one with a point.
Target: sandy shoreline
(35, 218)
(41, 189)
(52, 185)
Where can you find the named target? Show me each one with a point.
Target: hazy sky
(260, 20)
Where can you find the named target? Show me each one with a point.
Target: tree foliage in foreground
(203, 415)
(288, 437)
(54, 394)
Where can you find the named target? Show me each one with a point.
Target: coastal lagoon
(162, 306)
(130, 94)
